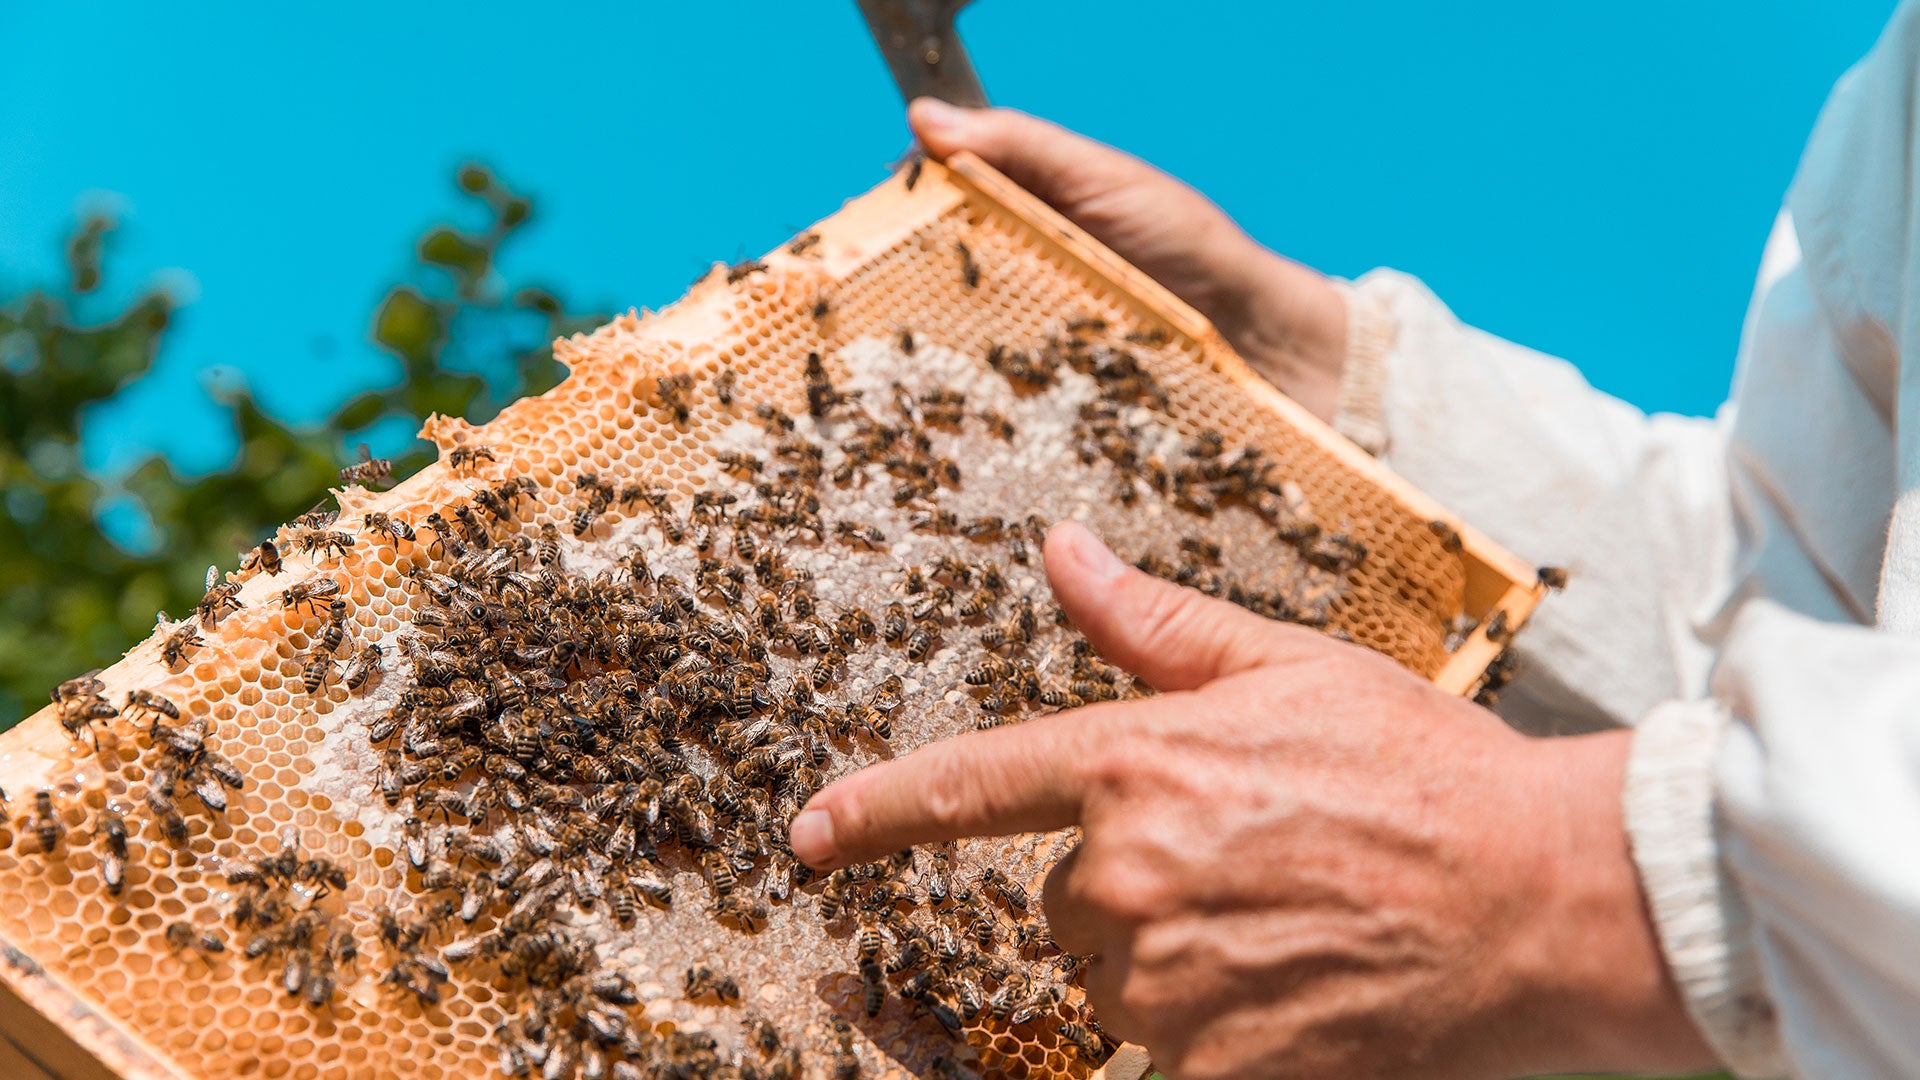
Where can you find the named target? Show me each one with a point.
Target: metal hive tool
(906, 291)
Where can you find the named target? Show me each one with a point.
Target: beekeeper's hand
(1299, 859)
(1288, 321)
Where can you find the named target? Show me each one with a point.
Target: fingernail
(938, 116)
(1096, 558)
(811, 836)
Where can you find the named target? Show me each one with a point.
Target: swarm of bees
(567, 743)
(278, 904)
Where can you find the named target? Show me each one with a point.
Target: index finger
(1022, 778)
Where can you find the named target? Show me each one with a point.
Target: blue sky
(1593, 180)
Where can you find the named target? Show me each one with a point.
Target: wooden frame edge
(62, 1034)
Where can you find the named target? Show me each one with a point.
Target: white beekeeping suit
(1745, 592)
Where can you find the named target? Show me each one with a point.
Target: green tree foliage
(70, 598)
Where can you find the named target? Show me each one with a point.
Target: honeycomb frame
(55, 1028)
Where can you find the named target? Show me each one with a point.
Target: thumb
(1064, 169)
(1173, 637)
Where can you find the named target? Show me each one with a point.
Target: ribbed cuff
(1361, 414)
(1697, 909)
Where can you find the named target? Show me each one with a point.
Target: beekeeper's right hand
(1288, 321)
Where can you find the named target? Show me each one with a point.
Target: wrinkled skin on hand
(1299, 859)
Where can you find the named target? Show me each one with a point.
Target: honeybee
(921, 643)
(1337, 552)
(744, 269)
(584, 518)
(981, 925)
(77, 716)
(1200, 548)
(220, 769)
(316, 985)
(983, 600)
(1553, 577)
(363, 665)
(803, 243)
(916, 161)
(113, 865)
(724, 381)
(419, 976)
(739, 464)
(873, 986)
(267, 557)
(1038, 1004)
(1498, 631)
(822, 398)
(221, 598)
(416, 842)
(703, 981)
(867, 942)
(465, 458)
(652, 886)
(672, 391)
(182, 935)
(323, 541)
(317, 672)
(367, 470)
(845, 1065)
(47, 828)
(894, 624)
(334, 630)
(939, 886)
(969, 270)
(773, 419)
(1086, 1046)
(860, 534)
(308, 593)
(80, 686)
(1061, 699)
(1449, 536)
(998, 425)
(822, 307)
(938, 522)
(748, 915)
(885, 699)
(383, 524)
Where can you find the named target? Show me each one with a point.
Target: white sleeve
(1775, 829)
(1773, 795)
(1635, 507)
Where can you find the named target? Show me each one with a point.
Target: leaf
(409, 325)
(360, 411)
(457, 252)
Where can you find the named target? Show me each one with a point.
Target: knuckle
(1127, 888)
(1166, 611)
(1112, 891)
(953, 795)
(1104, 769)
